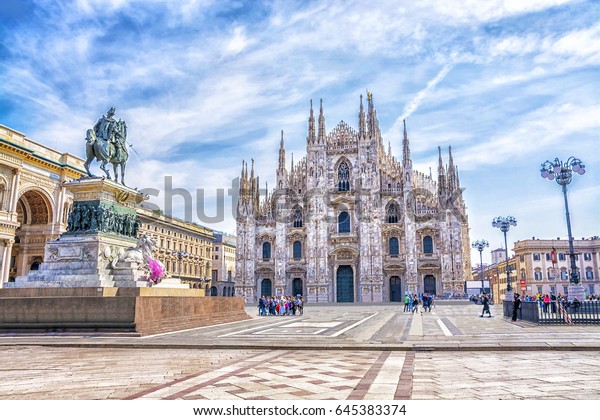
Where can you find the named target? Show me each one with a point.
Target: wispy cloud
(495, 79)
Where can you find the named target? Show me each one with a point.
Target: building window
(565, 290)
(563, 274)
(344, 177)
(536, 257)
(591, 286)
(540, 290)
(266, 251)
(215, 275)
(561, 257)
(394, 251)
(392, 213)
(298, 217)
(344, 222)
(229, 275)
(537, 275)
(297, 250)
(589, 274)
(522, 258)
(427, 245)
(587, 256)
(548, 256)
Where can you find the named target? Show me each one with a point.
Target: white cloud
(539, 130)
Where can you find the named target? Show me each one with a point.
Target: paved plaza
(341, 352)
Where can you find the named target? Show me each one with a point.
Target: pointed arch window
(266, 250)
(344, 222)
(297, 250)
(392, 213)
(427, 245)
(297, 217)
(394, 248)
(344, 177)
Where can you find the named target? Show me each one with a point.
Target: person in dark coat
(516, 306)
(486, 305)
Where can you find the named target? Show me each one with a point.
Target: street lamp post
(480, 245)
(504, 224)
(563, 173)
(179, 255)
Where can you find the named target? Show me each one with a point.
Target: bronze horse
(112, 150)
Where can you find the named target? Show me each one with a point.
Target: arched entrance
(395, 289)
(297, 287)
(214, 291)
(345, 284)
(35, 215)
(429, 285)
(265, 287)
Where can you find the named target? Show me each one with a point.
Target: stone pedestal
(96, 249)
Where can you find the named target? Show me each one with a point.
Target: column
(15, 190)
(6, 253)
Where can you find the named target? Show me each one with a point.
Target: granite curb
(331, 347)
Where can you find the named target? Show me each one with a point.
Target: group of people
(411, 302)
(280, 306)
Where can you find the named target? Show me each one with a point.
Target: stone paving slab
(63, 373)
(362, 352)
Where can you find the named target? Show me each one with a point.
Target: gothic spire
(372, 122)
(441, 174)
(312, 137)
(362, 125)
(451, 171)
(322, 129)
(406, 160)
(281, 153)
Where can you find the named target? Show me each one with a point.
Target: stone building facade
(34, 204)
(223, 265)
(351, 223)
(543, 265)
(184, 248)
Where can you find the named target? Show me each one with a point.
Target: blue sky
(204, 84)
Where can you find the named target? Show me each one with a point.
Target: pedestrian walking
(516, 307)
(415, 304)
(406, 303)
(486, 305)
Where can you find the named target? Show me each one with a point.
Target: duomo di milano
(351, 223)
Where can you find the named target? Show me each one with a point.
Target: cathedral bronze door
(265, 288)
(345, 284)
(395, 289)
(429, 285)
(297, 287)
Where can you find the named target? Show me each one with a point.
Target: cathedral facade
(351, 223)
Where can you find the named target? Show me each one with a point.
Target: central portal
(345, 284)
(429, 285)
(395, 289)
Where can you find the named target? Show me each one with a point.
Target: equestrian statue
(107, 143)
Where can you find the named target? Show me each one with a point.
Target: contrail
(416, 101)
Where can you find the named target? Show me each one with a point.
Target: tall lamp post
(480, 245)
(563, 173)
(179, 255)
(504, 224)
